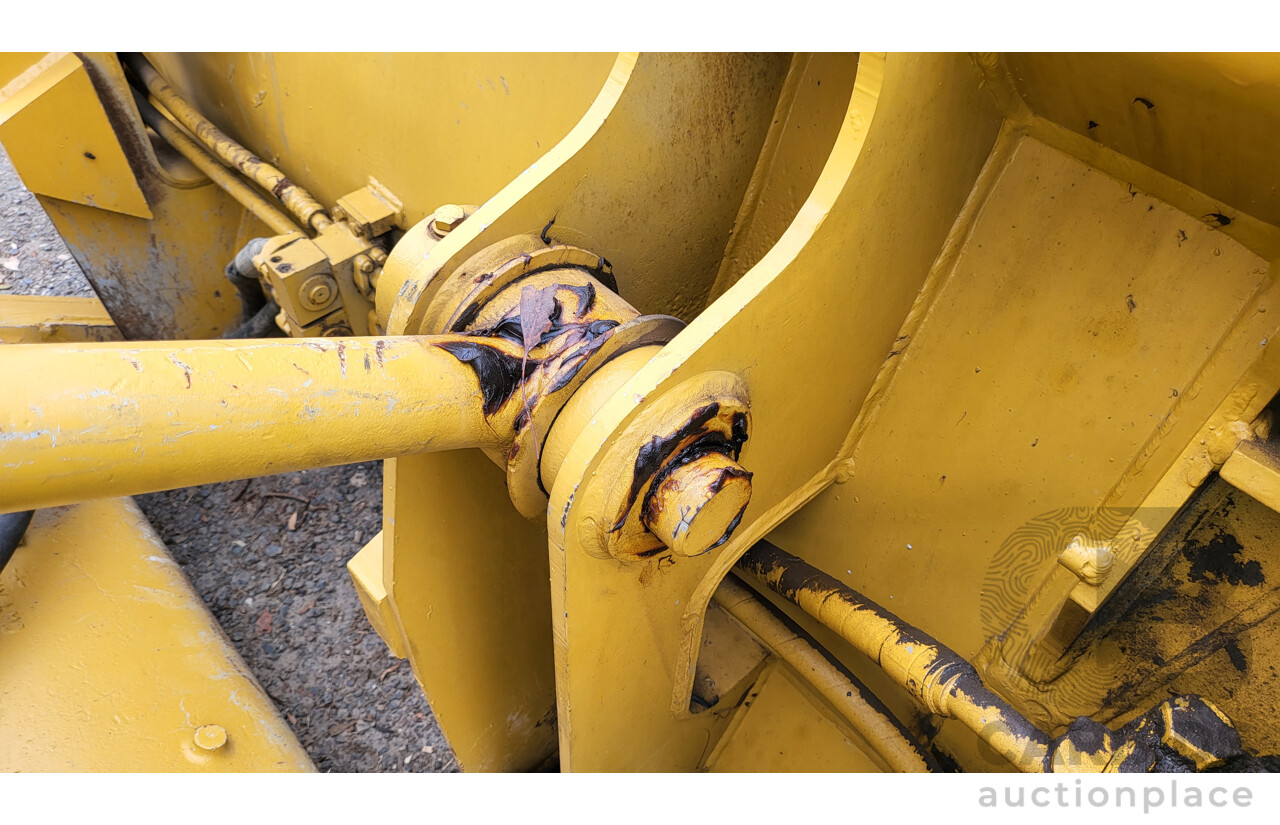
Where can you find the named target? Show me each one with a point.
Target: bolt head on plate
(447, 218)
(210, 737)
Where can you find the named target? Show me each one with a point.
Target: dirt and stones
(269, 557)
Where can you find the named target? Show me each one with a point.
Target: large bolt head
(697, 506)
(446, 219)
(318, 291)
(210, 737)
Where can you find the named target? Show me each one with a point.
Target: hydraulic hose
(941, 679)
(262, 324)
(847, 695)
(261, 208)
(13, 526)
(243, 275)
(296, 199)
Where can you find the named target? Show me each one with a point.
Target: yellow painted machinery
(741, 412)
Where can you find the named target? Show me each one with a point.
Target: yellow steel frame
(959, 296)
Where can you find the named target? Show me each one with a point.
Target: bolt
(446, 219)
(1089, 562)
(363, 267)
(318, 291)
(210, 737)
(1198, 731)
(697, 505)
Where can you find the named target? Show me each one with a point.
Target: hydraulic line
(12, 528)
(262, 324)
(261, 208)
(296, 199)
(937, 676)
(846, 695)
(243, 275)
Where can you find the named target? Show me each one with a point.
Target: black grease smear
(711, 442)
(789, 576)
(594, 337)
(706, 443)
(1220, 560)
(728, 531)
(583, 340)
(466, 318)
(739, 433)
(586, 297)
(499, 374)
(1236, 655)
(1144, 102)
(1086, 735)
(605, 276)
(657, 450)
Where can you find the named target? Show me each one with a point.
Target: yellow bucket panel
(109, 661)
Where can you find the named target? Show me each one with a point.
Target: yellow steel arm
(95, 420)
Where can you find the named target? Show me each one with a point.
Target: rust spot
(280, 188)
(129, 131)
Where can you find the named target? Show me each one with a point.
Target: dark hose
(261, 325)
(12, 528)
(244, 276)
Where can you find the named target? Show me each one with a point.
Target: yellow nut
(447, 218)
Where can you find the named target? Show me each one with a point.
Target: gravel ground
(268, 556)
(33, 258)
